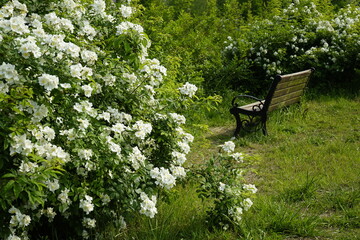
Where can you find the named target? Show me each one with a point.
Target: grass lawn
(308, 176)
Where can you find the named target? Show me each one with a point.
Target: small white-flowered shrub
(222, 179)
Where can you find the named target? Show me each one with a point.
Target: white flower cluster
(126, 11)
(53, 185)
(86, 204)
(238, 156)
(236, 213)
(163, 177)
(250, 187)
(228, 146)
(188, 89)
(231, 45)
(142, 129)
(136, 158)
(99, 9)
(63, 197)
(49, 82)
(148, 206)
(179, 119)
(58, 23)
(124, 27)
(18, 219)
(89, 222)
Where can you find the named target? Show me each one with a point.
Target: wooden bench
(284, 91)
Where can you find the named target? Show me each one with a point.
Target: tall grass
(308, 178)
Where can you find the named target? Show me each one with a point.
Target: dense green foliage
(241, 45)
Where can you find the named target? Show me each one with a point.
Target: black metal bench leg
(264, 126)
(238, 124)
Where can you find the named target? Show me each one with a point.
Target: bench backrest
(287, 89)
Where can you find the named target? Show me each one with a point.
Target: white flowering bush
(223, 180)
(85, 138)
(301, 36)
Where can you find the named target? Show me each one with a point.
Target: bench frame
(284, 91)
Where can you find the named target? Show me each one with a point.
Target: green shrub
(303, 35)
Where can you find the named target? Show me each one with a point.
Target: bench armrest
(247, 96)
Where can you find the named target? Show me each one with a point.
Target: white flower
(250, 187)
(88, 31)
(18, 219)
(21, 145)
(123, 27)
(49, 133)
(8, 72)
(222, 186)
(178, 158)
(18, 25)
(148, 206)
(104, 115)
(86, 204)
(65, 85)
(142, 129)
(125, 11)
(40, 112)
(115, 148)
(29, 47)
(188, 89)
(163, 177)
(84, 123)
(247, 203)
(105, 199)
(178, 172)
(89, 56)
(132, 78)
(53, 185)
(13, 237)
(72, 49)
(4, 88)
(236, 213)
(63, 196)
(75, 70)
(228, 146)
(28, 167)
(109, 80)
(89, 222)
(184, 146)
(49, 212)
(179, 119)
(49, 82)
(87, 90)
(85, 154)
(118, 128)
(238, 156)
(136, 158)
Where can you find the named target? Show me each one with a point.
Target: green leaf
(8, 186)
(17, 190)
(9, 175)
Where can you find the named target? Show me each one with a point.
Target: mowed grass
(308, 178)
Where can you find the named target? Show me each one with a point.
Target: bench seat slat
(294, 76)
(285, 97)
(284, 91)
(282, 84)
(285, 103)
(249, 107)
